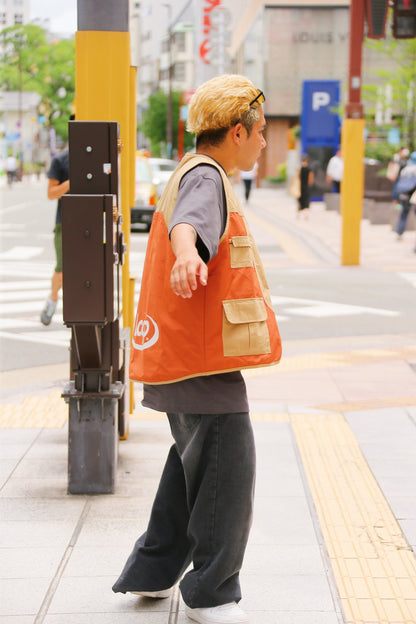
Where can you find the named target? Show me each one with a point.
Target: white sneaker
(163, 593)
(229, 613)
(48, 311)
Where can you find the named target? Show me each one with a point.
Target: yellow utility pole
(105, 90)
(352, 144)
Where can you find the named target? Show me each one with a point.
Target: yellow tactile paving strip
(373, 566)
(334, 359)
(46, 411)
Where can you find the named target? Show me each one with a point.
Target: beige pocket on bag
(240, 252)
(244, 329)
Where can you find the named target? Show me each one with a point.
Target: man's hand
(189, 267)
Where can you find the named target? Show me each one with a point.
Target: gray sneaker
(48, 311)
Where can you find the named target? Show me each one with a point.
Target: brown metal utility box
(88, 259)
(93, 163)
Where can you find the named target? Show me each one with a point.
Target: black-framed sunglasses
(260, 98)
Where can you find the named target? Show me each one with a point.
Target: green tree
(59, 89)
(154, 122)
(28, 62)
(402, 82)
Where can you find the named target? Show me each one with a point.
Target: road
(317, 299)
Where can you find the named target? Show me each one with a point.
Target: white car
(162, 169)
(146, 193)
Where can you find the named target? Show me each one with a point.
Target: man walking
(335, 171)
(58, 185)
(11, 169)
(204, 314)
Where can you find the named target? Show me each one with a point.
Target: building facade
(279, 45)
(21, 132)
(14, 12)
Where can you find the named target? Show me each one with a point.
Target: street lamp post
(20, 115)
(19, 41)
(169, 111)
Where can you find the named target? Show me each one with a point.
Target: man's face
(252, 145)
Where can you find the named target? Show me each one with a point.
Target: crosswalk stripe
(16, 323)
(24, 295)
(28, 285)
(410, 277)
(21, 253)
(22, 306)
(50, 338)
(321, 309)
(14, 235)
(26, 270)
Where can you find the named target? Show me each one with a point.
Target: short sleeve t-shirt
(201, 203)
(59, 170)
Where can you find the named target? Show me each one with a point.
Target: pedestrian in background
(247, 178)
(306, 178)
(204, 313)
(11, 169)
(403, 190)
(58, 185)
(396, 164)
(394, 168)
(335, 171)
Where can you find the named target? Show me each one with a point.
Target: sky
(61, 13)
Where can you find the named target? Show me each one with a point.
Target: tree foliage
(154, 122)
(28, 62)
(402, 81)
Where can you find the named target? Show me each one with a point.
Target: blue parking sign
(320, 121)
(320, 128)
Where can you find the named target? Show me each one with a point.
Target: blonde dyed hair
(222, 102)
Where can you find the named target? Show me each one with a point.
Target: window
(179, 72)
(18, 18)
(164, 74)
(3, 18)
(180, 42)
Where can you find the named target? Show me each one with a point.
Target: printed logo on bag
(146, 333)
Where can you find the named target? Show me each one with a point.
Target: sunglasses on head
(259, 98)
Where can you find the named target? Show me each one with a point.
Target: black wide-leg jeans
(202, 512)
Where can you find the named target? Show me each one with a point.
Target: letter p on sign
(320, 99)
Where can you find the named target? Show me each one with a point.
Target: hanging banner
(207, 29)
(213, 36)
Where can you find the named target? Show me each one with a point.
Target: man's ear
(237, 133)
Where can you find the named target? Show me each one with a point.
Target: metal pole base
(92, 445)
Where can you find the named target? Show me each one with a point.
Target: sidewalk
(334, 533)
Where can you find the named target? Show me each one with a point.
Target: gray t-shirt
(201, 203)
